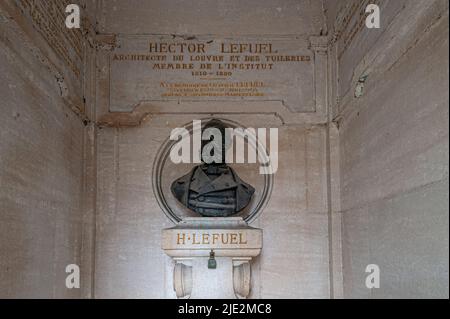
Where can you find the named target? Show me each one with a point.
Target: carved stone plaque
(162, 68)
(202, 234)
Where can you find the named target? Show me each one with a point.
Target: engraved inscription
(213, 238)
(150, 68)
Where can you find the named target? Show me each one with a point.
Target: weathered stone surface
(212, 17)
(42, 147)
(62, 50)
(394, 160)
(41, 178)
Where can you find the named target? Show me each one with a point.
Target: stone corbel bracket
(182, 278)
(241, 277)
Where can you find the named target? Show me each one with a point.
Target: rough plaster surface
(394, 174)
(40, 184)
(42, 162)
(287, 17)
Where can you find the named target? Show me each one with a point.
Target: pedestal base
(234, 244)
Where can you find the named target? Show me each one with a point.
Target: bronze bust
(214, 189)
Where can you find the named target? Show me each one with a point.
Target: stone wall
(42, 147)
(76, 173)
(394, 147)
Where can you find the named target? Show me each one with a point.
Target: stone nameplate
(229, 236)
(162, 68)
(212, 239)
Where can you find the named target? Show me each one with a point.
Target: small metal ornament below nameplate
(212, 263)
